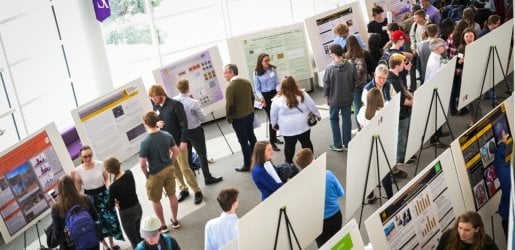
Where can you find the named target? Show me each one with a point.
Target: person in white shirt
(435, 61)
(222, 230)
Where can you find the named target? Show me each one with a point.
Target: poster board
(204, 70)
(29, 175)
(442, 82)
(479, 184)
(476, 62)
(305, 192)
(389, 5)
(383, 123)
(417, 216)
(286, 45)
(112, 124)
(347, 238)
(320, 30)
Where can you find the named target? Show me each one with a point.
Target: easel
(493, 50)
(375, 139)
(39, 238)
(435, 99)
(289, 227)
(218, 125)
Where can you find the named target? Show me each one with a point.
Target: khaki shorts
(163, 179)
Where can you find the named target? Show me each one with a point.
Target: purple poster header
(102, 9)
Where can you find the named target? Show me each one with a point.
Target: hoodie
(339, 81)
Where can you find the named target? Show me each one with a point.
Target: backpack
(360, 66)
(384, 58)
(81, 228)
(454, 12)
(195, 162)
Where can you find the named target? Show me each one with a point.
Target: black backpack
(454, 12)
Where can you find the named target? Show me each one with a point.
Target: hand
(160, 124)
(263, 103)
(461, 60)
(504, 136)
(183, 146)
(327, 100)
(117, 203)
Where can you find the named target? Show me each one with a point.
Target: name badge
(271, 75)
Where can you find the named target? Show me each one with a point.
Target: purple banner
(102, 9)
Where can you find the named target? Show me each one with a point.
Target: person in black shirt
(378, 24)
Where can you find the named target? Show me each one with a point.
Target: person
(431, 11)
(172, 119)
(341, 32)
(263, 171)
(424, 50)
(91, 176)
(503, 172)
(453, 42)
(481, 13)
(333, 192)
(378, 23)
(196, 138)
(239, 109)
(374, 47)
(379, 82)
(122, 193)
(468, 17)
(67, 197)
(157, 153)
(434, 61)
(153, 238)
(223, 229)
(266, 83)
(289, 114)
(417, 36)
(446, 29)
(492, 23)
(406, 26)
(339, 81)
(467, 233)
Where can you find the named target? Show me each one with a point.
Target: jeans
(403, 138)
(131, 219)
(290, 141)
(245, 132)
(335, 125)
(357, 104)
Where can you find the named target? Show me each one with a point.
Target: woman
(67, 197)
(468, 17)
(92, 176)
(467, 233)
(123, 192)
(266, 83)
(378, 24)
(374, 47)
(453, 41)
(263, 172)
(375, 103)
(289, 114)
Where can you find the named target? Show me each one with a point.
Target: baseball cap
(398, 35)
(150, 226)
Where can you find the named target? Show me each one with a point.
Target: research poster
(402, 7)
(28, 180)
(204, 73)
(348, 238)
(112, 125)
(420, 212)
(476, 146)
(320, 30)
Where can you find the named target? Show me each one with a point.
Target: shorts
(163, 179)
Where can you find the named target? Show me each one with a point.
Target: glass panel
(8, 135)
(247, 16)
(302, 9)
(170, 7)
(127, 72)
(52, 106)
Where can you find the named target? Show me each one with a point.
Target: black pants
(197, 140)
(244, 130)
(131, 220)
(331, 226)
(290, 141)
(268, 101)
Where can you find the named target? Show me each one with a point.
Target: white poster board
(390, 5)
(417, 216)
(477, 178)
(303, 197)
(359, 152)
(477, 59)
(420, 113)
(28, 179)
(112, 125)
(286, 45)
(320, 30)
(347, 238)
(204, 71)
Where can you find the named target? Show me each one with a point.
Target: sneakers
(163, 229)
(175, 224)
(354, 131)
(332, 147)
(372, 198)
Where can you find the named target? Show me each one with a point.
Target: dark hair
(446, 28)
(183, 85)
(377, 9)
(458, 30)
(232, 67)
(479, 237)
(84, 148)
(304, 157)
(461, 47)
(259, 65)
(336, 49)
(468, 16)
(226, 198)
(290, 90)
(393, 26)
(374, 46)
(354, 50)
(112, 165)
(492, 20)
(151, 118)
(432, 30)
(68, 196)
(258, 155)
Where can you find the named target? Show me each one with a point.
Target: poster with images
(477, 146)
(401, 9)
(28, 181)
(112, 125)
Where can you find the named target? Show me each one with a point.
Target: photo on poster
(487, 152)
(492, 182)
(480, 194)
(501, 124)
(23, 181)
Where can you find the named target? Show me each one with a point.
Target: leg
(403, 138)
(357, 104)
(346, 124)
(335, 126)
(305, 140)
(252, 137)
(268, 101)
(330, 227)
(158, 210)
(289, 148)
(387, 185)
(182, 160)
(169, 186)
(179, 177)
(197, 139)
(131, 218)
(240, 128)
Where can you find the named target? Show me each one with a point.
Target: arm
(412, 37)
(110, 201)
(229, 103)
(183, 123)
(174, 152)
(76, 179)
(143, 166)
(311, 105)
(327, 85)
(57, 221)
(274, 113)
(198, 111)
(257, 84)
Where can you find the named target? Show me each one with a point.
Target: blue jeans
(335, 125)
(246, 137)
(357, 104)
(403, 138)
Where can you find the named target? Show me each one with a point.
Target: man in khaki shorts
(157, 153)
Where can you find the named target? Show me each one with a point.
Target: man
(417, 35)
(434, 61)
(221, 230)
(342, 32)
(339, 81)
(379, 81)
(196, 137)
(239, 109)
(173, 120)
(424, 50)
(431, 11)
(157, 152)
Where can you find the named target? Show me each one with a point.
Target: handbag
(312, 118)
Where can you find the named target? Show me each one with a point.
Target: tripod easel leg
(220, 129)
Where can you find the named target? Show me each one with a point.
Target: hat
(150, 226)
(479, 4)
(398, 35)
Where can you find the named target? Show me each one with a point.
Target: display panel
(112, 125)
(28, 180)
(347, 238)
(391, 5)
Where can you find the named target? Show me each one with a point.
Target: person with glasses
(92, 176)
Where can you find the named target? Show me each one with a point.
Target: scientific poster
(112, 125)
(403, 7)
(28, 181)
(204, 73)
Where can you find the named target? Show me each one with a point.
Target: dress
(94, 187)
(220, 231)
(265, 183)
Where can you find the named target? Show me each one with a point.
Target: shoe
(210, 160)
(163, 229)
(401, 174)
(274, 147)
(182, 195)
(277, 141)
(463, 112)
(332, 147)
(443, 134)
(411, 161)
(354, 132)
(242, 169)
(454, 111)
(198, 197)
(175, 224)
(372, 198)
(212, 180)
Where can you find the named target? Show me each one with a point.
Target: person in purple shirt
(431, 11)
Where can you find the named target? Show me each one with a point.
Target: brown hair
(492, 20)
(226, 198)
(258, 155)
(151, 119)
(341, 29)
(393, 26)
(290, 90)
(377, 9)
(463, 44)
(479, 237)
(259, 65)
(375, 102)
(156, 90)
(432, 30)
(304, 157)
(458, 31)
(68, 196)
(183, 85)
(353, 48)
(112, 165)
(420, 13)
